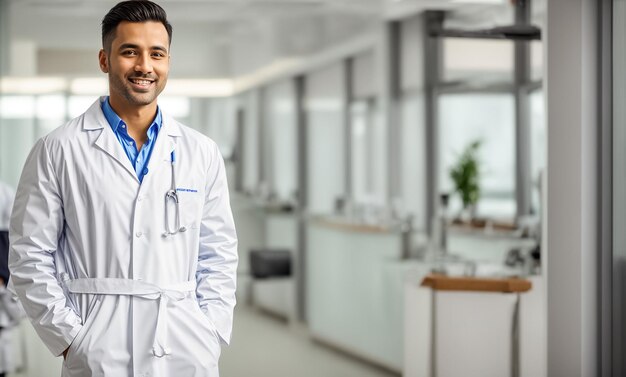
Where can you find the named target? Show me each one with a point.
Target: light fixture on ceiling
(89, 86)
(199, 87)
(32, 85)
(521, 29)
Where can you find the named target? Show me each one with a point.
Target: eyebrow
(131, 45)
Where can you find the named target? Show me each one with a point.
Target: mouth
(141, 83)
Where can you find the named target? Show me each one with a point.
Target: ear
(103, 60)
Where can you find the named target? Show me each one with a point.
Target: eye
(158, 55)
(129, 52)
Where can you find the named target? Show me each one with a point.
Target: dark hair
(132, 11)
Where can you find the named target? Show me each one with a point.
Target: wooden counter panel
(474, 284)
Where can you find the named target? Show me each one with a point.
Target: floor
(263, 346)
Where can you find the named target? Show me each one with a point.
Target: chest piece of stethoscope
(171, 197)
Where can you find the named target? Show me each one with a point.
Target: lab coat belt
(150, 291)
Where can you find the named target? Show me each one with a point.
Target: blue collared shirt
(139, 159)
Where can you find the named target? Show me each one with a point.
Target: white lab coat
(80, 212)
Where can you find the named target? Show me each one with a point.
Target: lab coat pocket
(209, 325)
(194, 339)
(190, 209)
(75, 349)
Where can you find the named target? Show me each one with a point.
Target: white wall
(573, 206)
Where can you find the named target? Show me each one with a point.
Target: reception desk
(354, 285)
(474, 327)
(363, 296)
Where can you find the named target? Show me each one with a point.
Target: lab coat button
(138, 234)
(140, 198)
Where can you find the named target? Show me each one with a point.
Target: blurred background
(370, 144)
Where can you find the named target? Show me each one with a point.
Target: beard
(122, 87)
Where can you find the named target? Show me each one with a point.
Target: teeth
(141, 82)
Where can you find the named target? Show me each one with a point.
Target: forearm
(216, 279)
(217, 259)
(36, 227)
(34, 279)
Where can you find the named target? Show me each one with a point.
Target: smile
(141, 82)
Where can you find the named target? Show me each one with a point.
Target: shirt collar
(115, 121)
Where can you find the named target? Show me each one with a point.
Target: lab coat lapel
(106, 141)
(165, 144)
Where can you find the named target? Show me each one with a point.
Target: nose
(143, 64)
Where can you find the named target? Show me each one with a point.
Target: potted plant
(466, 174)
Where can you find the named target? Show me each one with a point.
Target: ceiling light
(199, 87)
(32, 85)
(90, 86)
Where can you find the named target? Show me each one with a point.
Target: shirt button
(138, 234)
(140, 198)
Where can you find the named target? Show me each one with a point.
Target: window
(17, 134)
(538, 143)
(464, 118)
(479, 61)
(50, 111)
(361, 114)
(79, 104)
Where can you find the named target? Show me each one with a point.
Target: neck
(137, 118)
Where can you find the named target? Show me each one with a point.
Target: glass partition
(50, 110)
(325, 120)
(538, 144)
(17, 134)
(361, 115)
(281, 128)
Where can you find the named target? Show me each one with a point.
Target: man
(123, 247)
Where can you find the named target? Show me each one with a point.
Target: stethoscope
(172, 196)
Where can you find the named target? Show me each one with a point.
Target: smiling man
(123, 248)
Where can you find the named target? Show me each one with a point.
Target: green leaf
(466, 174)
